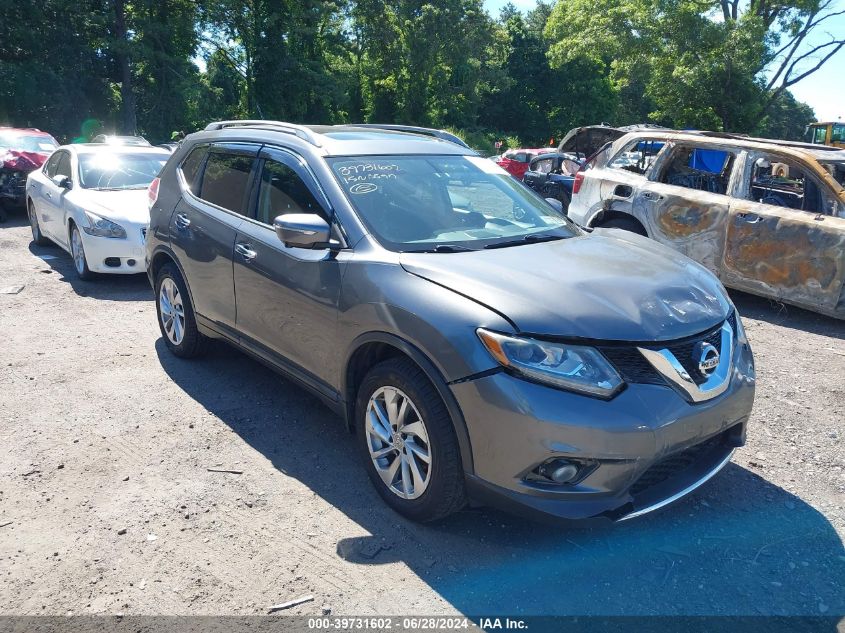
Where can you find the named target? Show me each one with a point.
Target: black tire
(445, 492)
(626, 224)
(84, 273)
(37, 236)
(192, 343)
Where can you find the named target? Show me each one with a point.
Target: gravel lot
(107, 505)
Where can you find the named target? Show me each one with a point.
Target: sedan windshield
(119, 170)
(446, 203)
(26, 143)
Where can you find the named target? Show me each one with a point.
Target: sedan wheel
(77, 251)
(37, 236)
(398, 442)
(172, 311)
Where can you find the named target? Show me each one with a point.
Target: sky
(824, 90)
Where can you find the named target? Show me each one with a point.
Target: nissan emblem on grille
(706, 356)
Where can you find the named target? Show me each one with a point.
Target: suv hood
(608, 285)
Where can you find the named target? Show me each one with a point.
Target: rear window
(191, 168)
(225, 180)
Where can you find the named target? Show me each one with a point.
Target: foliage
(158, 66)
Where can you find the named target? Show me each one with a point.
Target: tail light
(576, 184)
(152, 192)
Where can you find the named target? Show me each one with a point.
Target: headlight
(573, 367)
(100, 227)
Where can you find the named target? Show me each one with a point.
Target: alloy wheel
(77, 251)
(33, 223)
(397, 439)
(171, 310)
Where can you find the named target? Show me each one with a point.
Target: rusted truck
(768, 217)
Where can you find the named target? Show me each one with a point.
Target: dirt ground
(107, 504)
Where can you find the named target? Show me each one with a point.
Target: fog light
(563, 472)
(130, 262)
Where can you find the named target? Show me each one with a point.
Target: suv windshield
(25, 143)
(420, 203)
(119, 171)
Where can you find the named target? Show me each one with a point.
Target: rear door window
(785, 183)
(699, 168)
(226, 179)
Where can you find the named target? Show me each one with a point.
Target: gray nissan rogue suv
(483, 347)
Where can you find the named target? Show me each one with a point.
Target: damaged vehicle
(767, 217)
(483, 348)
(21, 151)
(515, 161)
(551, 176)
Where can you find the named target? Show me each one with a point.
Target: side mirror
(63, 182)
(302, 230)
(557, 204)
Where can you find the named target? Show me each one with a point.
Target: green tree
(691, 63)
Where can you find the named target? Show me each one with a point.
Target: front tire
(408, 443)
(37, 236)
(77, 251)
(176, 318)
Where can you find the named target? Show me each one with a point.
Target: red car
(21, 151)
(515, 161)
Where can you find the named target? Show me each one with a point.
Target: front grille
(670, 466)
(683, 352)
(634, 368)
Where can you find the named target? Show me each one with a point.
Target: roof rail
(289, 128)
(443, 135)
(770, 141)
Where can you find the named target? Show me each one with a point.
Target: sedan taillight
(152, 192)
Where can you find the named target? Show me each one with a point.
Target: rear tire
(626, 224)
(435, 488)
(176, 318)
(37, 236)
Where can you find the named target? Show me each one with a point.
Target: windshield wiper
(531, 238)
(443, 248)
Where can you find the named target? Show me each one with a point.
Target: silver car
(482, 347)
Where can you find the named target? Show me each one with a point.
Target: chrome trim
(682, 493)
(668, 366)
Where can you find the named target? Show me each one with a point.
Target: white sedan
(91, 199)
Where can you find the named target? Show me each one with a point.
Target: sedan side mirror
(63, 182)
(557, 204)
(302, 230)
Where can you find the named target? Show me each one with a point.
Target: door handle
(748, 218)
(182, 221)
(47, 194)
(245, 251)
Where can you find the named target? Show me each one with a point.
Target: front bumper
(13, 187)
(117, 256)
(646, 430)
